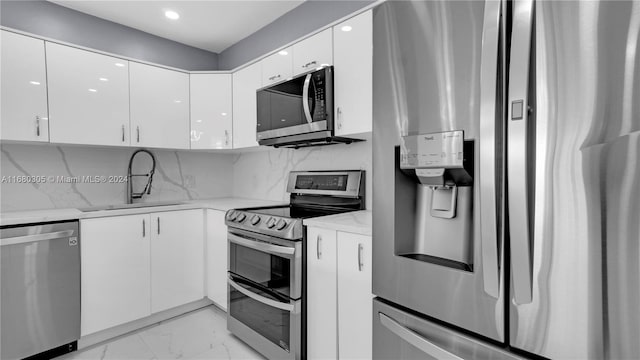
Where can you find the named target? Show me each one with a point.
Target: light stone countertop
(358, 222)
(39, 216)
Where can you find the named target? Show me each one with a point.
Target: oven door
(272, 263)
(269, 322)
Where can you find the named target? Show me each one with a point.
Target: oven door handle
(278, 250)
(305, 99)
(260, 298)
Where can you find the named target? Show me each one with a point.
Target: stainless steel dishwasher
(40, 298)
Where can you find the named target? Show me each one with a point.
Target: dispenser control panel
(436, 150)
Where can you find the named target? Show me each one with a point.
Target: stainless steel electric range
(266, 302)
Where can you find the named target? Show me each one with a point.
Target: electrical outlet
(190, 181)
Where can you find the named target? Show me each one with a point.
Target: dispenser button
(281, 225)
(517, 110)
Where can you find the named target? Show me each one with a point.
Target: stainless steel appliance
(506, 139)
(40, 289)
(266, 302)
(298, 112)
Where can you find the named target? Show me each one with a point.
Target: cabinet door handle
(318, 250)
(360, 263)
(274, 77)
(122, 133)
(158, 225)
(137, 133)
(144, 228)
(339, 117)
(37, 125)
(309, 64)
(226, 137)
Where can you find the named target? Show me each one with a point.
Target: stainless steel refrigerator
(506, 158)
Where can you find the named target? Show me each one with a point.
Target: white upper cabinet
(313, 52)
(88, 97)
(277, 67)
(353, 75)
(245, 83)
(159, 107)
(24, 89)
(211, 111)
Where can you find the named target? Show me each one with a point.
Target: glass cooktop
(295, 212)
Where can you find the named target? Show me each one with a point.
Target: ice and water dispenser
(434, 199)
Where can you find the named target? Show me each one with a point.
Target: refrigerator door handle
(415, 339)
(517, 167)
(488, 165)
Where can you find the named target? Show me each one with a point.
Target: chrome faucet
(147, 188)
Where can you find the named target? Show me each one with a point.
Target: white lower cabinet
(322, 292)
(217, 258)
(115, 271)
(136, 265)
(354, 296)
(177, 261)
(338, 295)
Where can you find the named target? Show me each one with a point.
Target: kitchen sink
(127, 206)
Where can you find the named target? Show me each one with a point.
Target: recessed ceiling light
(119, 64)
(223, 114)
(93, 90)
(170, 14)
(34, 82)
(283, 52)
(177, 101)
(103, 79)
(346, 28)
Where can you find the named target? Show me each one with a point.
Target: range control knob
(271, 222)
(241, 217)
(255, 219)
(231, 215)
(281, 224)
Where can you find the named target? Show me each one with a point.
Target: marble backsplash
(180, 175)
(263, 174)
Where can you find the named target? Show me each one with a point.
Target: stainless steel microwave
(297, 112)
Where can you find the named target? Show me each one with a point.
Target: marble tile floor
(201, 334)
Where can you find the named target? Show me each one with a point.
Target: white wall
(180, 175)
(263, 175)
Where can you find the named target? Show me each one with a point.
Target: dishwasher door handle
(37, 237)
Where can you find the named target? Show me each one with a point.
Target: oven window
(272, 323)
(270, 271)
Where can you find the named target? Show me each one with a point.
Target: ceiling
(212, 25)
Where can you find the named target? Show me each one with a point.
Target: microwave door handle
(260, 298)
(277, 250)
(305, 98)
(517, 161)
(488, 159)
